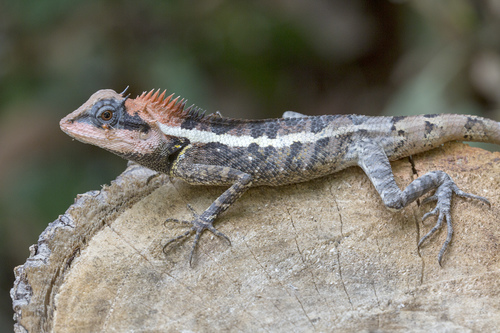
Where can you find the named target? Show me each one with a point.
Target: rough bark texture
(323, 255)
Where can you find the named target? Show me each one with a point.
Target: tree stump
(324, 255)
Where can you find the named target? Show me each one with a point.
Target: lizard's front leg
(210, 175)
(373, 160)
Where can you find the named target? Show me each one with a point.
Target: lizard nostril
(64, 123)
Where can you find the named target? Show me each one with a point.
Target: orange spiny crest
(167, 100)
(173, 102)
(160, 107)
(173, 105)
(157, 97)
(162, 96)
(148, 95)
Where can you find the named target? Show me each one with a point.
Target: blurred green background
(244, 58)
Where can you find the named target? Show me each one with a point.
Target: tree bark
(323, 255)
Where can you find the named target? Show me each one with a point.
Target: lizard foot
(199, 224)
(443, 197)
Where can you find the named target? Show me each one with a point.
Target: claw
(198, 225)
(463, 194)
(443, 208)
(438, 225)
(170, 220)
(176, 221)
(177, 238)
(448, 238)
(195, 242)
(431, 213)
(429, 199)
(219, 234)
(195, 215)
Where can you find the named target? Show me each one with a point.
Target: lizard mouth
(75, 129)
(64, 124)
(75, 125)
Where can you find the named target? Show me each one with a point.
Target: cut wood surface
(324, 255)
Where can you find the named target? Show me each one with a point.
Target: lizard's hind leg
(373, 160)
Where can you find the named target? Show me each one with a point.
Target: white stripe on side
(195, 135)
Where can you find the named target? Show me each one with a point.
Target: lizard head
(123, 126)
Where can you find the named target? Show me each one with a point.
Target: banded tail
(425, 132)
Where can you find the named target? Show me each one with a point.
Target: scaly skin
(162, 134)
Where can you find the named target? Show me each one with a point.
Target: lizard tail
(477, 129)
(425, 132)
(442, 128)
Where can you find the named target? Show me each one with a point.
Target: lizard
(162, 134)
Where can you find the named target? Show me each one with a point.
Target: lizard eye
(106, 112)
(107, 115)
